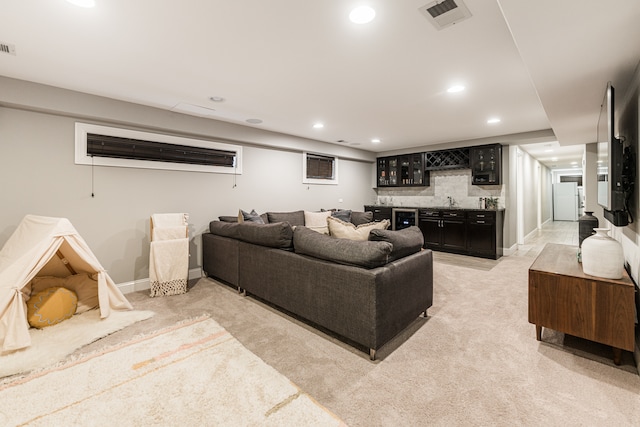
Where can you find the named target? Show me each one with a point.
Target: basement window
(108, 146)
(319, 169)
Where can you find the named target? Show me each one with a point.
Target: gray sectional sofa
(366, 292)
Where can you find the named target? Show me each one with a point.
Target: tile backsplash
(444, 184)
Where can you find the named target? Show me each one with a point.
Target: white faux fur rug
(52, 344)
(192, 373)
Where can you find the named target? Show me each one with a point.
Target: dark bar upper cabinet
(486, 164)
(406, 170)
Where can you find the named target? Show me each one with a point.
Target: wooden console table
(563, 298)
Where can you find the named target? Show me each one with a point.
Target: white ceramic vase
(602, 255)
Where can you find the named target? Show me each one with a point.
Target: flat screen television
(611, 195)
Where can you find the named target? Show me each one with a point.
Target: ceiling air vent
(7, 48)
(445, 13)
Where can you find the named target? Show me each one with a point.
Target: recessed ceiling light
(216, 98)
(574, 163)
(376, 140)
(548, 151)
(318, 126)
(554, 159)
(493, 120)
(362, 15)
(456, 88)
(254, 121)
(83, 3)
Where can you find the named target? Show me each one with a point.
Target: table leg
(617, 355)
(539, 333)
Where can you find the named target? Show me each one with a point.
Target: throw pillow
(227, 218)
(405, 242)
(343, 214)
(317, 221)
(86, 289)
(40, 283)
(50, 307)
(83, 285)
(294, 218)
(358, 218)
(347, 230)
(250, 217)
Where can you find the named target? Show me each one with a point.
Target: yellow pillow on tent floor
(51, 306)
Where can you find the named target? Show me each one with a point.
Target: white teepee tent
(45, 246)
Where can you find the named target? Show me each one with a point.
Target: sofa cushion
(226, 218)
(276, 235)
(366, 254)
(358, 218)
(294, 218)
(317, 221)
(225, 229)
(405, 242)
(347, 230)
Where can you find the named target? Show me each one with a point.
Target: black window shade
(128, 148)
(319, 167)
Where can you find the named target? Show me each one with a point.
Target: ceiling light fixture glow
(456, 88)
(493, 121)
(376, 140)
(83, 3)
(318, 126)
(362, 15)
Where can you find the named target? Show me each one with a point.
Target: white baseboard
(510, 251)
(144, 284)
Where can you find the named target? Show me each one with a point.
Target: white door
(565, 201)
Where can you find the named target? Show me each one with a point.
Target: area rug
(192, 373)
(52, 344)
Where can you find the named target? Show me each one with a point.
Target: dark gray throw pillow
(358, 218)
(342, 214)
(226, 218)
(357, 253)
(293, 218)
(405, 242)
(252, 216)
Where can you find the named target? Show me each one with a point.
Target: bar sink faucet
(452, 202)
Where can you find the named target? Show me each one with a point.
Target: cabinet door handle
(480, 222)
(480, 216)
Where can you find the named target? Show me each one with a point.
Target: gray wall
(39, 176)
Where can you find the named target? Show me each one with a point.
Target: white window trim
(306, 180)
(81, 157)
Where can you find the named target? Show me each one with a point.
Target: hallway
(563, 232)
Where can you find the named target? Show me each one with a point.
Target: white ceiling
(535, 64)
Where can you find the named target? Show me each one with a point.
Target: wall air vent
(445, 13)
(7, 48)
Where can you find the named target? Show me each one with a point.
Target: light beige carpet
(52, 344)
(192, 373)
